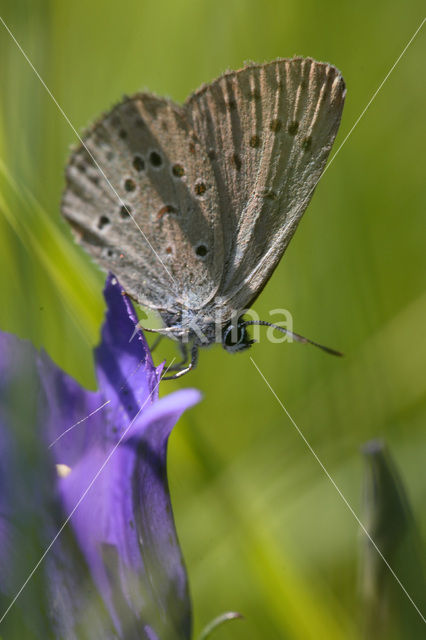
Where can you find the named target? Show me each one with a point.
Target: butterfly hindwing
(269, 129)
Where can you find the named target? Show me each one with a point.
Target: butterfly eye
(235, 337)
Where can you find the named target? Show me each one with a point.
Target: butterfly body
(193, 206)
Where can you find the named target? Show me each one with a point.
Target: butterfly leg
(185, 356)
(192, 365)
(156, 342)
(175, 332)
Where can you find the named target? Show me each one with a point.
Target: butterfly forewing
(143, 201)
(269, 129)
(192, 207)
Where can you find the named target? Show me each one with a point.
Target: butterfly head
(235, 336)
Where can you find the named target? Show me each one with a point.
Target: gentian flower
(95, 460)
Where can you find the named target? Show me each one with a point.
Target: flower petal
(122, 517)
(75, 416)
(60, 599)
(118, 570)
(126, 374)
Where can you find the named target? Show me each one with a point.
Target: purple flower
(96, 460)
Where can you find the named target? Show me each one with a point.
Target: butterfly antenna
(294, 336)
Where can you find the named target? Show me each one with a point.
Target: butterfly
(192, 206)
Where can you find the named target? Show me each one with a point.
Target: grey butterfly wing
(269, 129)
(143, 202)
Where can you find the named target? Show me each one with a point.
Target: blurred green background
(263, 530)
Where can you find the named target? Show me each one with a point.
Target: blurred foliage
(390, 524)
(263, 530)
